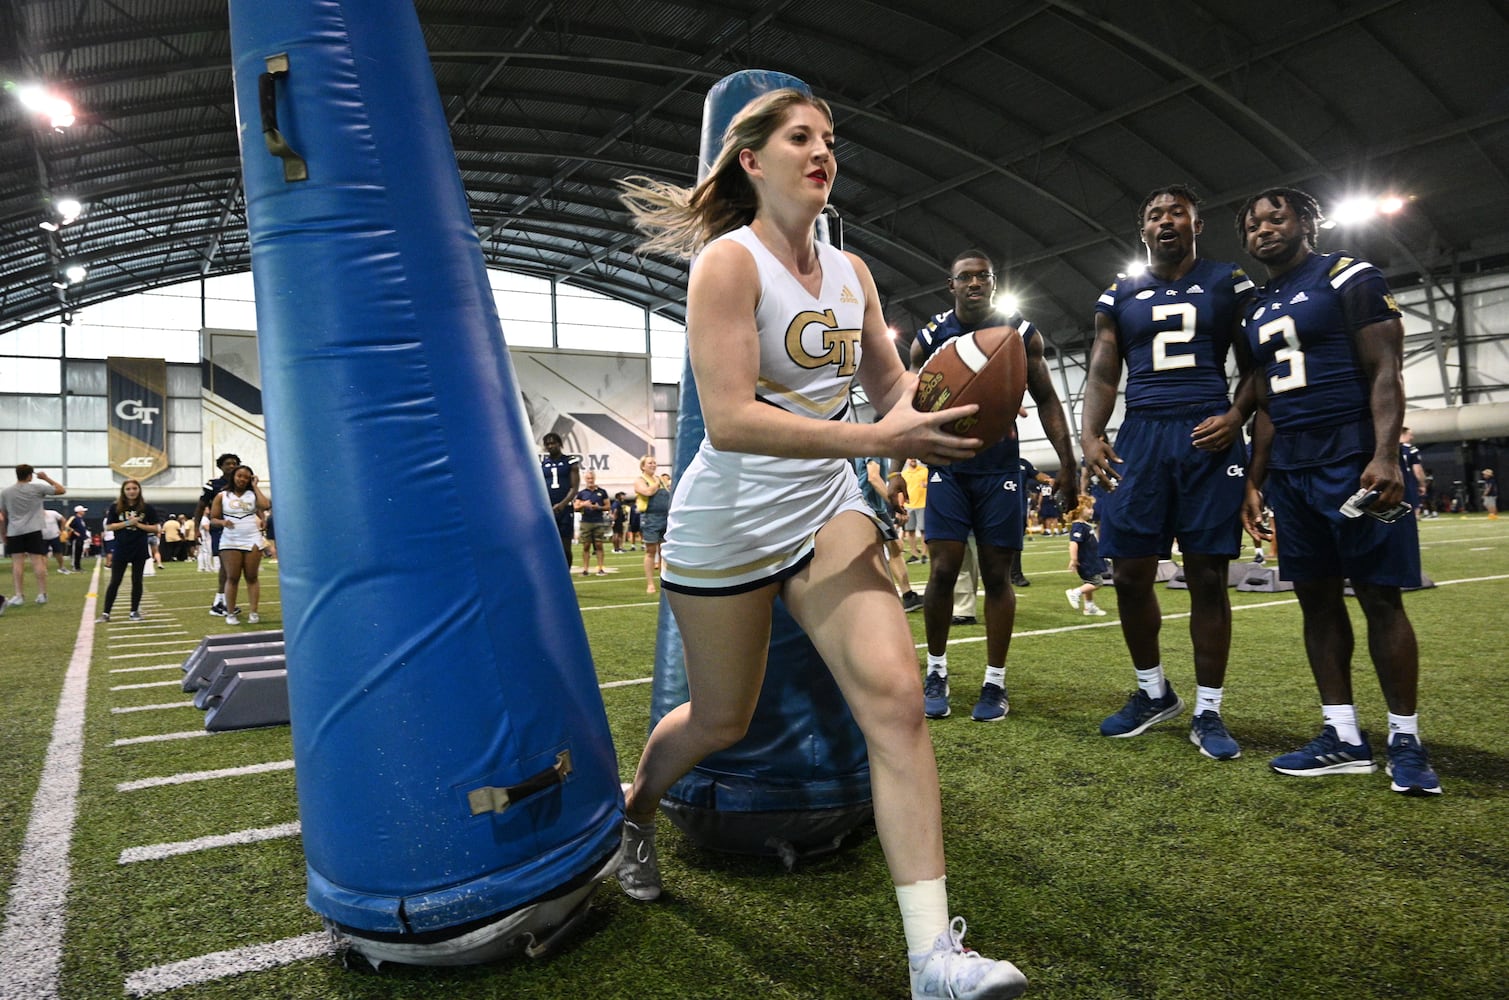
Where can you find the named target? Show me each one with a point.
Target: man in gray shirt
(21, 511)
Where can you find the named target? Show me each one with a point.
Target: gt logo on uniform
(841, 347)
(1235, 471)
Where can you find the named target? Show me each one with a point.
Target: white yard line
(138, 656)
(191, 776)
(142, 670)
(156, 852)
(208, 968)
(187, 734)
(151, 684)
(31, 944)
(151, 708)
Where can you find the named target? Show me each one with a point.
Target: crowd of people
(132, 536)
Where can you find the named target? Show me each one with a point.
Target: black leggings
(77, 543)
(118, 570)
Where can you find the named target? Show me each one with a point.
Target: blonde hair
(681, 221)
(1085, 503)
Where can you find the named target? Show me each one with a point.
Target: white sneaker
(954, 971)
(1073, 595)
(232, 619)
(254, 618)
(16, 601)
(41, 598)
(638, 872)
(1091, 608)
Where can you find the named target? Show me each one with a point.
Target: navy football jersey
(1174, 335)
(1089, 548)
(1003, 456)
(1299, 328)
(1409, 457)
(558, 475)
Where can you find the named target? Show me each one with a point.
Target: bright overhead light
(1135, 268)
(1006, 302)
(57, 110)
(75, 273)
(68, 209)
(1355, 211)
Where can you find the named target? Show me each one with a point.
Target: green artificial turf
(1105, 868)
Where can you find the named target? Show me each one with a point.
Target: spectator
(238, 510)
(1084, 558)
(133, 520)
(78, 536)
(227, 464)
(53, 527)
(592, 503)
(172, 539)
(21, 511)
(653, 498)
(563, 477)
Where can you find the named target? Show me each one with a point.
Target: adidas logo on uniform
(935, 478)
(1299, 297)
(847, 297)
(1195, 290)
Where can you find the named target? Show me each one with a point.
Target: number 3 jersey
(1174, 335)
(1299, 329)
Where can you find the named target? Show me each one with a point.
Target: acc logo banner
(137, 397)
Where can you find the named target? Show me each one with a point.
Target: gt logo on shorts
(841, 346)
(1009, 486)
(1235, 471)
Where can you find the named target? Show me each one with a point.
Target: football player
(984, 495)
(1327, 341)
(1177, 468)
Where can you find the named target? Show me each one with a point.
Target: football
(988, 367)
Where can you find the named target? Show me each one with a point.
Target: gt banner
(137, 396)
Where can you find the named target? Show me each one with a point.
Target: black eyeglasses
(966, 277)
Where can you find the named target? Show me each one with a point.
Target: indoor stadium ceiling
(1030, 129)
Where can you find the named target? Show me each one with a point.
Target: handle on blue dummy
(294, 167)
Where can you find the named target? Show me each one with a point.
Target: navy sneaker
(1410, 768)
(911, 601)
(1208, 732)
(935, 696)
(1141, 712)
(992, 706)
(1327, 754)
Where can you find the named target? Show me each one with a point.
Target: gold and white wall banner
(137, 390)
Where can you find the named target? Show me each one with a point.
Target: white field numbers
(1283, 328)
(1185, 313)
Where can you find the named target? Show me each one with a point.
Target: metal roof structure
(1029, 129)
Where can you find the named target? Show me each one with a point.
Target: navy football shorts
(991, 505)
(1316, 541)
(1171, 489)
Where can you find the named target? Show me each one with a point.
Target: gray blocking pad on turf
(213, 662)
(1236, 573)
(1167, 570)
(1260, 579)
(202, 662)
(252, 698)
(219, 682)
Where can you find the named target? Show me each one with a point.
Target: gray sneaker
(638, 872)
(954, 971)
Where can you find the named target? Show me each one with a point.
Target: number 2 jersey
(1174, 335)
(1299, 329)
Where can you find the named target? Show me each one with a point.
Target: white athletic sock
(220, 597)
(1342, 718)
(924, 913)
(1151, 681)
(937, 664)
(1208, 699)
(1403, 724)
(996, 676)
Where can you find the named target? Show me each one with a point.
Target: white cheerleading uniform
(740, 521)
(243, 533)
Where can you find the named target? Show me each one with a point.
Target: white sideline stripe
(621, 684)
(150, 642)
(616, 607)
(139, 656)
(1482, 548)
(140, 670)
(187, 734)
(151, 708)
(191, 776)
(220, 964)
(31, 945)
(152, 684)
(156, 852)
